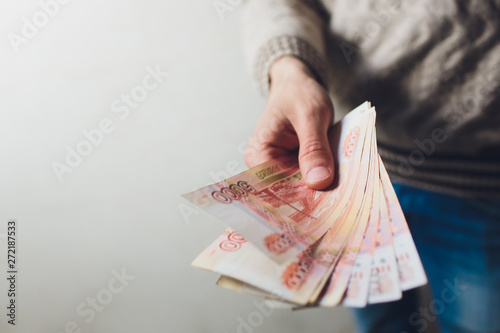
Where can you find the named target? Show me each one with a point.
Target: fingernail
(317, 174)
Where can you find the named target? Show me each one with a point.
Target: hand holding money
(348, 244)
(298, 115)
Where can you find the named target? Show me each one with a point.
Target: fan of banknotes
(346, 245)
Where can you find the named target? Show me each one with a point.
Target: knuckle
(316, 111)
(251, 152)
(310, 111)
(272, 110)
(312, 147)
(249, 158)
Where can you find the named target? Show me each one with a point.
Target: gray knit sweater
(431, 68)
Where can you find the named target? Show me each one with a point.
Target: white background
(119, 209)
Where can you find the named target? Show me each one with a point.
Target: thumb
(315, 156)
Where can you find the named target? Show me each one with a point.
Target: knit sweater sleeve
(275, 28)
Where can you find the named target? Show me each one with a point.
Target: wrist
(289, 67)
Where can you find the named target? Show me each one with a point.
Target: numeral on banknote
(350, 143)
(277, 243)
(226, 195)
(232, 243)
(295, 274)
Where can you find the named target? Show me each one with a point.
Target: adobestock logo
(429, 313)
(221, 7)
(255, 319)
(89, 309)
(417, 157)
(479, 96)
(31, 27)
(122, 107)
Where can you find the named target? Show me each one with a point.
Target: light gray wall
(118, 208)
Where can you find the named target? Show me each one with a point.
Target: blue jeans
(458, 240)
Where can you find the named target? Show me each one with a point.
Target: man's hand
(298, 114)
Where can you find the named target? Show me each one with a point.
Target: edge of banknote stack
(347, 245)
